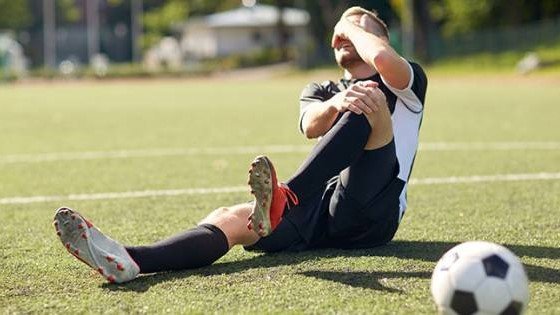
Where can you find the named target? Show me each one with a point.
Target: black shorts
(339, 216)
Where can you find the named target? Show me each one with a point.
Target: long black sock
(338, 149)
(197, 247)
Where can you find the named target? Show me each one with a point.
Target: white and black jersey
(406, 108)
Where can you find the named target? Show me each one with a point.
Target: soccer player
(350, 192)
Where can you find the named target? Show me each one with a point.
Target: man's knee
(225, 214)
(233, 222)
(381, 129)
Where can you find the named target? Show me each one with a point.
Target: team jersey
(406, 106)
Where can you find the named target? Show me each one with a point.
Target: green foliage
(459, 16)
(15, 14)
(159, 20)
(462, 16)
(69, 10)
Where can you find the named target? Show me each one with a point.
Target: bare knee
(233, 222)
(381, 128)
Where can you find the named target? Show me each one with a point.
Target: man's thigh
(367, 193)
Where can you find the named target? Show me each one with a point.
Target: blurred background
(133, 38)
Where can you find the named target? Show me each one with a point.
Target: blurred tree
(15, 14)
(160, 16)
(68, 11)
(202, 7)
(459, 16)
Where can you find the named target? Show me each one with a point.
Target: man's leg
(371, 176)
(200, 246)
(338, 149)
(222, 229)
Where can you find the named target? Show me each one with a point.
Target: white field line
(162, 152)
(236, 189)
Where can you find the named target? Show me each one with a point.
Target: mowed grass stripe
(236, 189)
(276, 148)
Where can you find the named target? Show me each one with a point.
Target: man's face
(345, 53)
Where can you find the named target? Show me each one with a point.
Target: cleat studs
(84, 236)
(89, 225)
(120, 267)
(266, 181)
(100, 270)
(110, 258)
(111, 279)
(73, 217)
(77, 252)
(80, 226)
(261, 227)
(67, 245)
(250, 226)
(55, 223)
(58, 233)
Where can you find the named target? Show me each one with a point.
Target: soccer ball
(480, 278)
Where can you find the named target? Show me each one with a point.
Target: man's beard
(349, 60)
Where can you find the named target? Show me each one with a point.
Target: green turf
(37, 275)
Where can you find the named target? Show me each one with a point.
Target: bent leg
(365, 180)
(199, 246)
(338, 149)
(359, 185)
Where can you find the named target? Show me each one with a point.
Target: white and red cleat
(271, 197)
(85, 242)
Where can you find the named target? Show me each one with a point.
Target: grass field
(91, 138)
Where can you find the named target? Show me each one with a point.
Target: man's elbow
(310, 132)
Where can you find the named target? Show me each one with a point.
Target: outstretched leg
(85, 242)
(197, 247)
(200, 246)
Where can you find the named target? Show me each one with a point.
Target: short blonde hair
(383, 30)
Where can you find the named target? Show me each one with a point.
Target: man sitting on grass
(350, 192)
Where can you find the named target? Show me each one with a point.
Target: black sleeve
(313, 93)
(420, 82)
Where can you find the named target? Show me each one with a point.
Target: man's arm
(375, 51)
(318, 119)
(319, 116)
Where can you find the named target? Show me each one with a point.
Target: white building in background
(241, 30)
(12, 58)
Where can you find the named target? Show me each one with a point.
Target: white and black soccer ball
(480, 278)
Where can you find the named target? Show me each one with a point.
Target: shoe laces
(292, 197)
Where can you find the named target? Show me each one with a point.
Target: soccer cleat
(85, 242)
(271, 197)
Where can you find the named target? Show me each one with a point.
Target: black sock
(197, 247)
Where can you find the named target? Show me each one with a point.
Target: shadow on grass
(415, 250)
(365, 280)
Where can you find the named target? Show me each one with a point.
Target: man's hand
(340, 32)
(361, 97)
